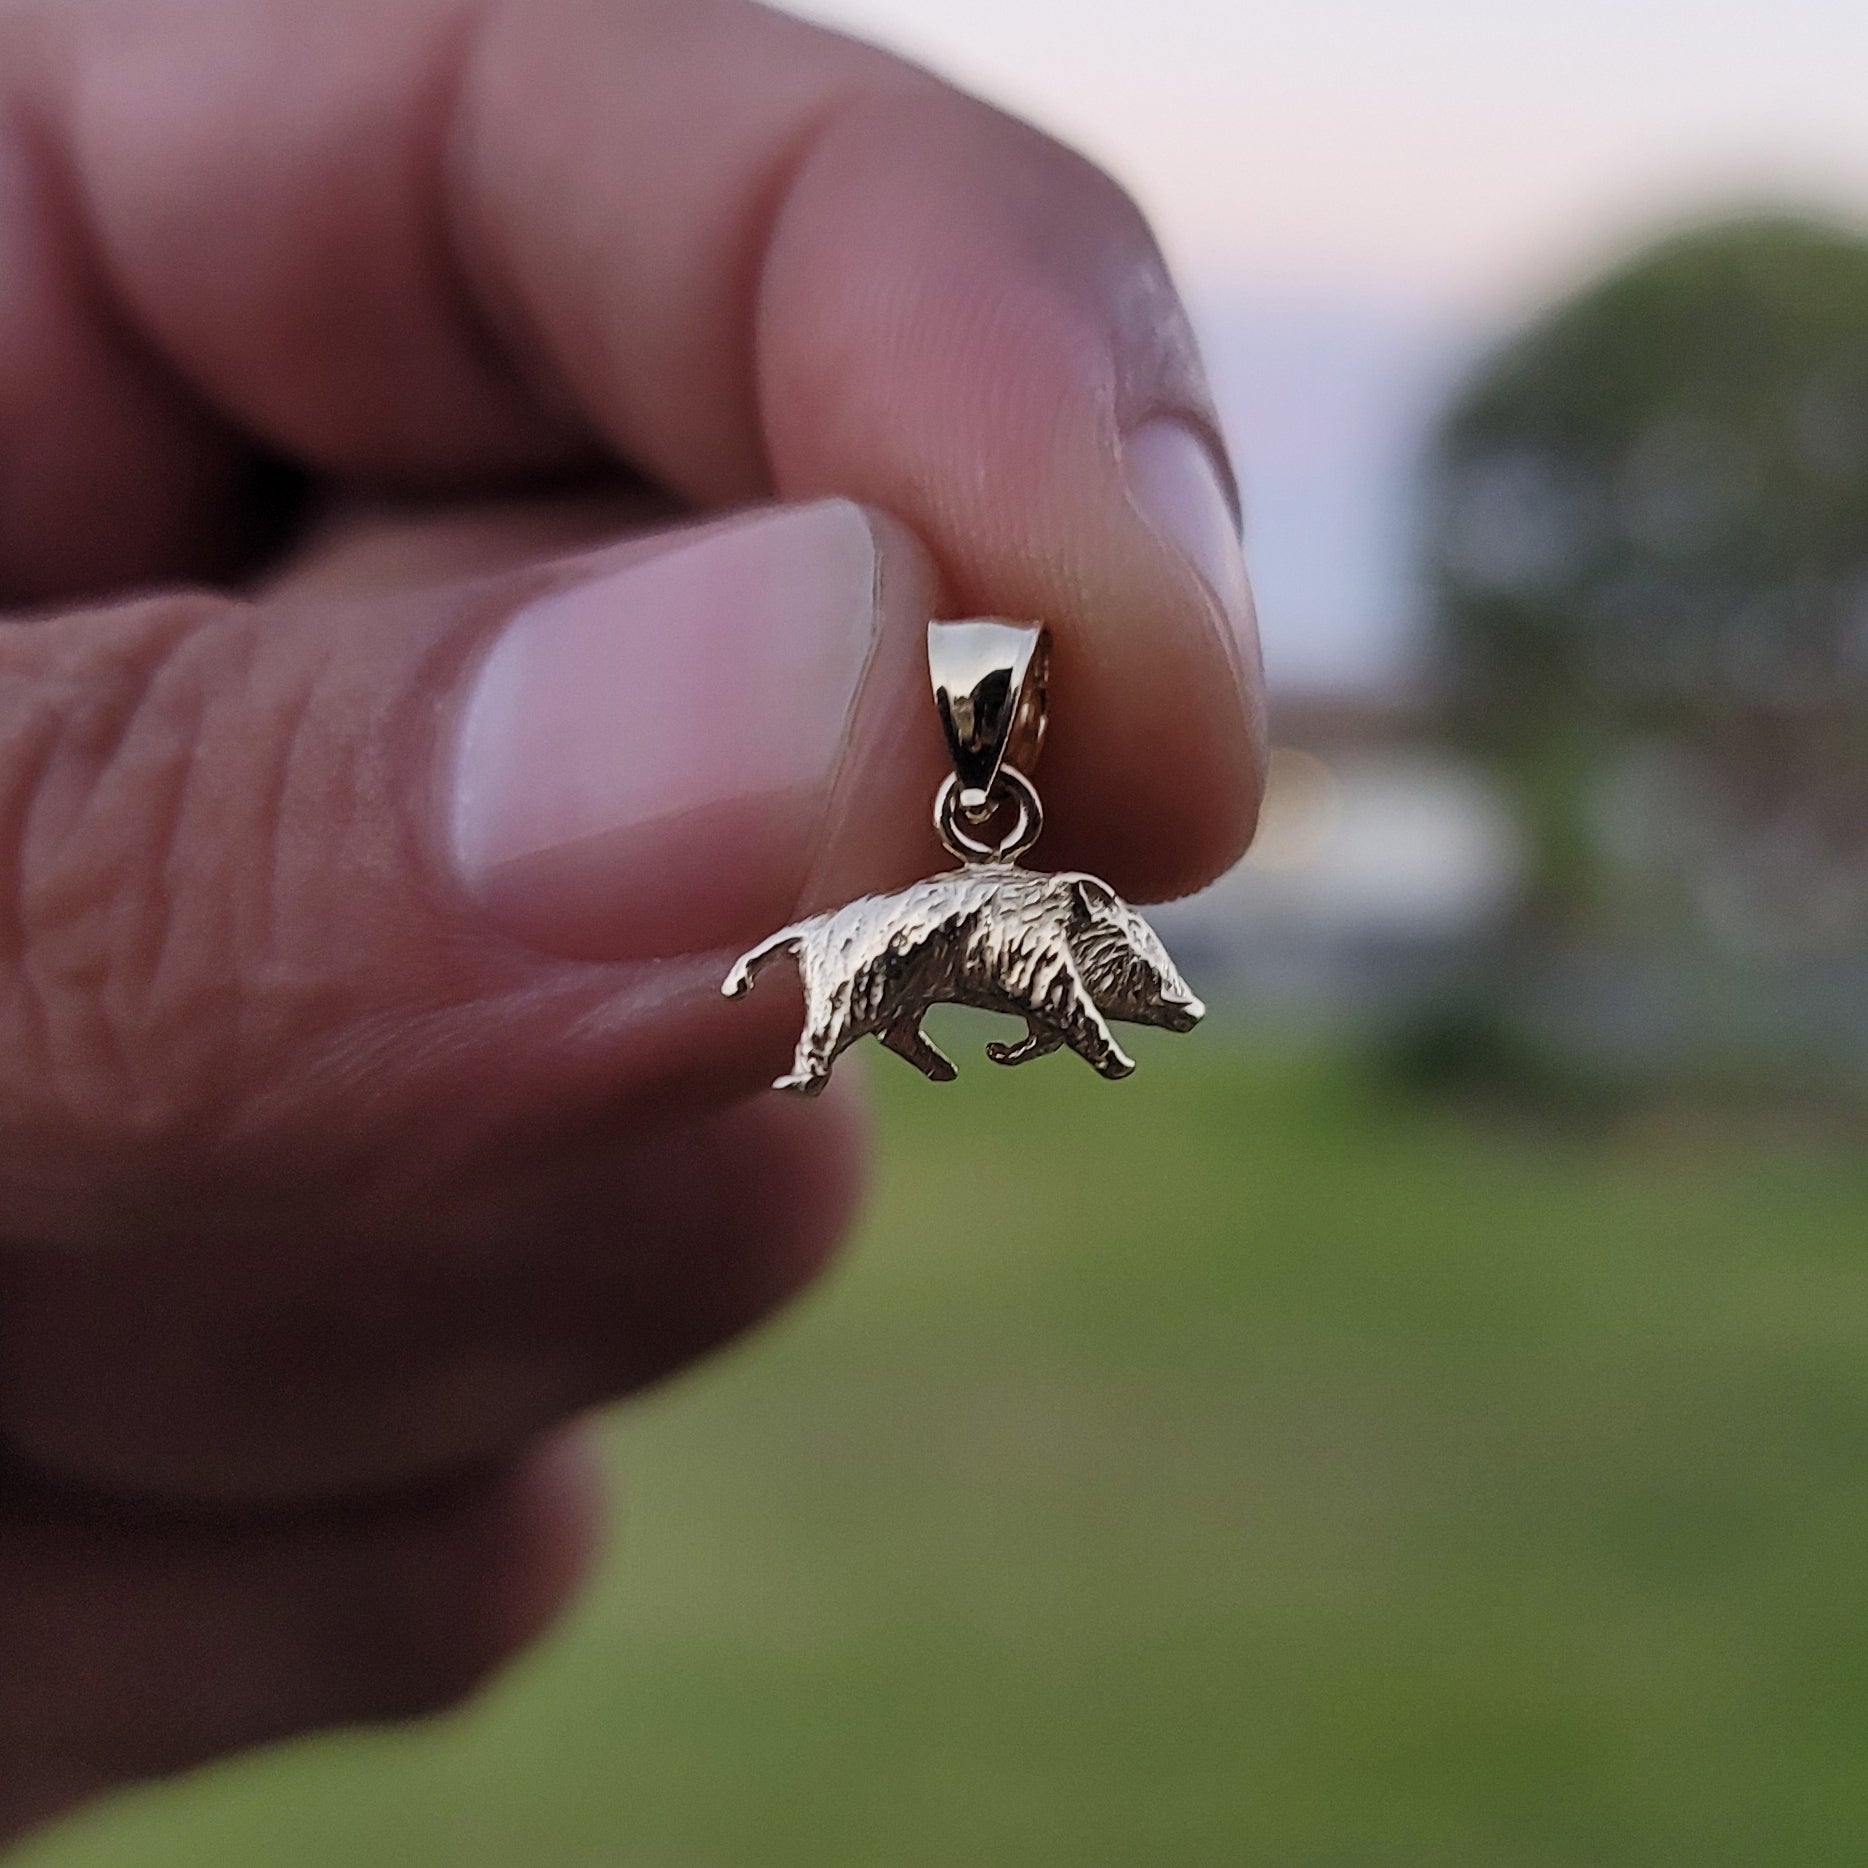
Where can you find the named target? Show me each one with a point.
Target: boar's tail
(746, 968)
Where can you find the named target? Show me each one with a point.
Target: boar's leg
(810, 1071)
(1086, 1032)
(1038, 1041)
(906, 1039)
(823, 1034)
(1096, 1044)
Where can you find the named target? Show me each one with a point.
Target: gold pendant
(1063, 952)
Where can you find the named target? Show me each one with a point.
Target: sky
(1360, 194)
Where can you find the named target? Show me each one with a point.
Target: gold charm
(1063, 952)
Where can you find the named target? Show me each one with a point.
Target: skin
(326, 1212)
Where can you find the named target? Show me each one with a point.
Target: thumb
(253, 845)
(359, 992)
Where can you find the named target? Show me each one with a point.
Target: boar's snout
(1184, 1014)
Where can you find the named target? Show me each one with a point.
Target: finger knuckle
(118, 914)
(426, 1636)
(417, 1682)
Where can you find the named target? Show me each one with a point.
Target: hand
(368, 1107)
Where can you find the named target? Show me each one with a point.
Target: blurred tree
(1648, 539)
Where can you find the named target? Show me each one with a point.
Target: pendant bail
(990, 688)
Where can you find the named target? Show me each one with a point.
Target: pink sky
(1464, 151)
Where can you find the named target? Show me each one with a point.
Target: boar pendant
(1063, 952)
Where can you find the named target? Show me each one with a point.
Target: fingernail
(623, 731)
(1175, 485)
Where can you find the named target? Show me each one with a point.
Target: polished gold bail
(990, 688)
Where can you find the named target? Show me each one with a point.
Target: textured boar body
(1063, 952)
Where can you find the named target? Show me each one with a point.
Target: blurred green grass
(1238, 1467)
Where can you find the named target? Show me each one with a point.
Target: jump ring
(1026, 828)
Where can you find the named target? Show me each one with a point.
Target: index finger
(435, 242)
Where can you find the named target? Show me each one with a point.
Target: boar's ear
(1096, 897)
